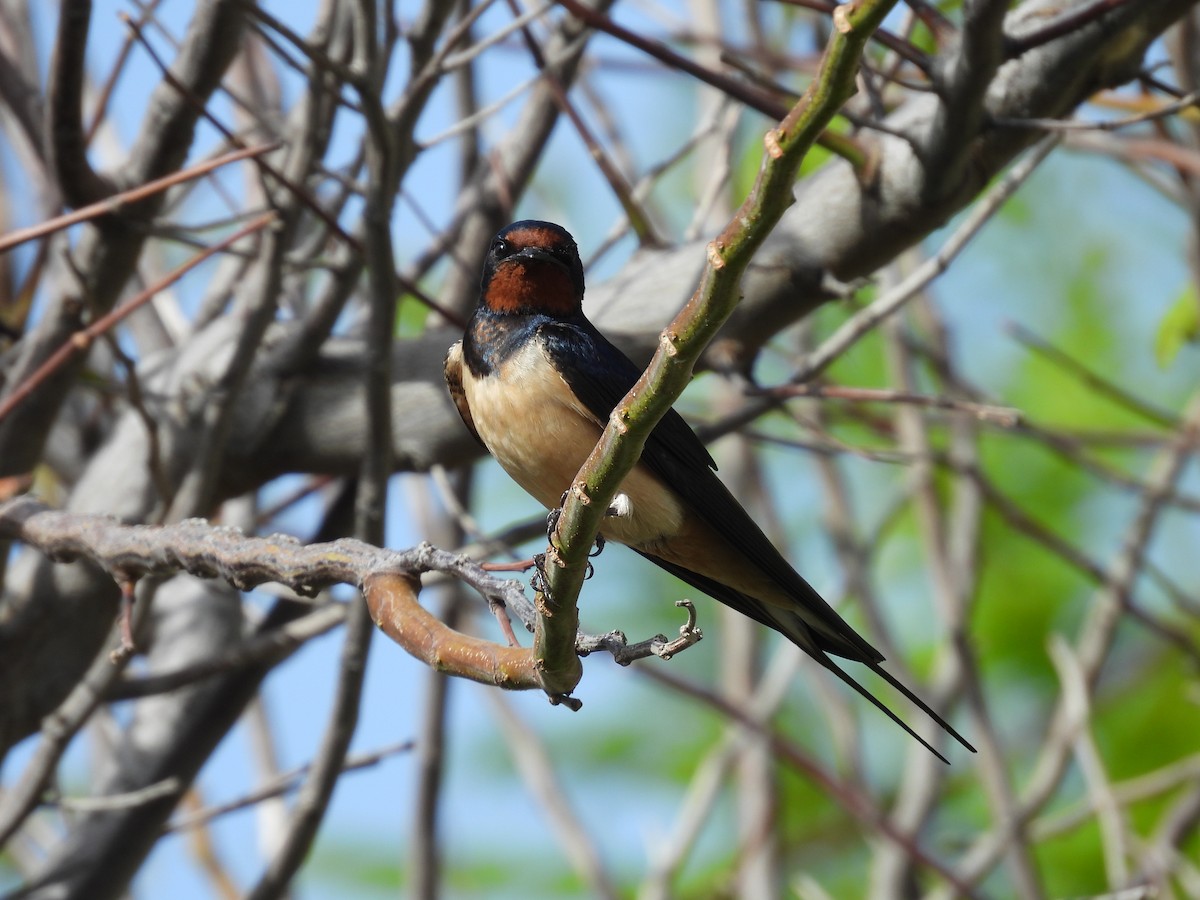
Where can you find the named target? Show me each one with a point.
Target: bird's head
(533, 267)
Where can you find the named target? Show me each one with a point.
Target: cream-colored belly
(540, 434)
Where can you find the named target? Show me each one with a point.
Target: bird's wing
(452, 369)
(600, 375)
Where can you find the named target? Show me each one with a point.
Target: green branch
(682, 342)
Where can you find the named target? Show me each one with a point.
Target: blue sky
(1003, 276)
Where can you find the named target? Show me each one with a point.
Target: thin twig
(863, 322)
(1093, 380)
(639, 219)
(536, 768)
(1070, 21)
(280, 785)
(57, 731)
(117, 202)
(109, 802)
(82, 340)
(1004, 416)
(855, 802)
(1188, 101)
(1093, 645)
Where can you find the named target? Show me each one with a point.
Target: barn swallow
(535, 382)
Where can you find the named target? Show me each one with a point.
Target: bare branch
(66, 141)
(81, 341)
(282, 784)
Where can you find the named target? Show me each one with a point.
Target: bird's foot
(538, 580)
(619, 507)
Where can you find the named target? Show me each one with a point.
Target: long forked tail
(892, 680)
(813, 626)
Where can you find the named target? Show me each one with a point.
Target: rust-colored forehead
(535, 236)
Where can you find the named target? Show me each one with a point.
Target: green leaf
(1179, 326)
(411, 316)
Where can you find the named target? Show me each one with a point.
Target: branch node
(618, 421)
(669, 341)
(572, 703)
(841, 21)
(607, 641)
(771, 143)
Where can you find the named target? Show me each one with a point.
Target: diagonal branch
(682, 342)
(66, 139)
(81, 341)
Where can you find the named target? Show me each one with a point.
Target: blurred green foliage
(1180, 325)
(1057, 263)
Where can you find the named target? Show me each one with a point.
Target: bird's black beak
(541, 255)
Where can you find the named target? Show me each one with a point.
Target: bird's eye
(500, 247)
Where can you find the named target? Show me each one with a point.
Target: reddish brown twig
(638, 217)
(117, 202)
(1004, 416)
(81, 341)
(126, 647)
